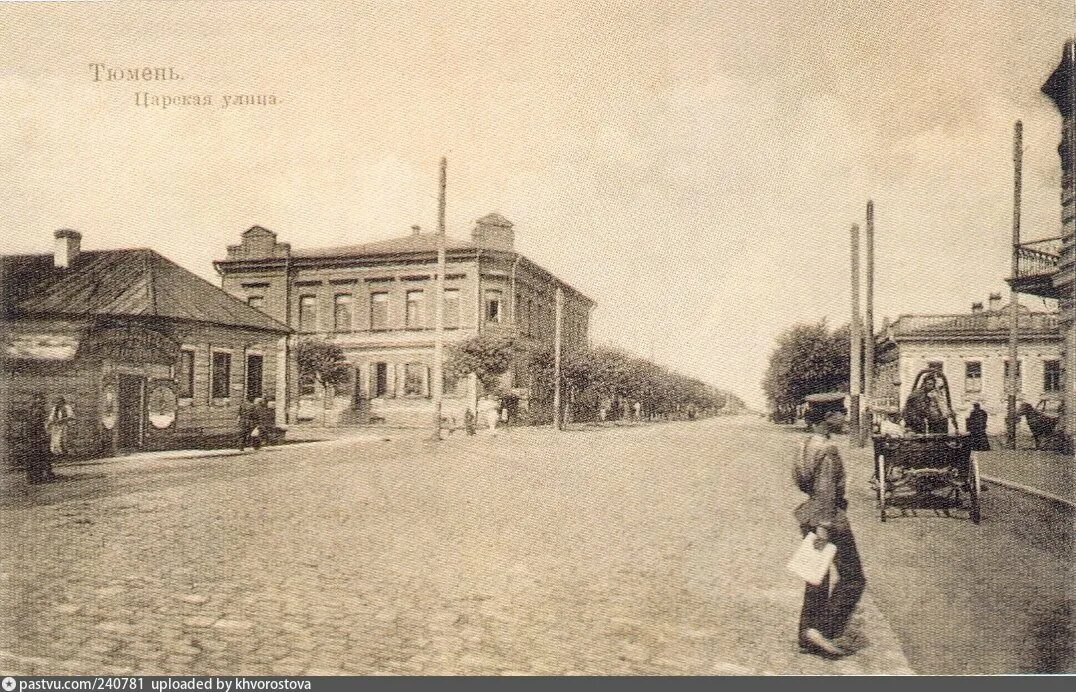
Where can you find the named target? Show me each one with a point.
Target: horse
(1042, 426)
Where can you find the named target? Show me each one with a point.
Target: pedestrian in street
(819, 472)
(259, 422)
(468, 421)
(60, 418)
(36, 442)
(976, 425)
(246, 423)
(490, 409)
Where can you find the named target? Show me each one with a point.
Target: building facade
(1047, 268)
(376, 301)
(972, 351)
(148, 355)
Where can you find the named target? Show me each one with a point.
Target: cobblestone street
(654, 549)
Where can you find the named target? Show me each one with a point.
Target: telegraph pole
(855, 380)
(868, 366)
(437, 372)
(557, 422)
(1014, 297)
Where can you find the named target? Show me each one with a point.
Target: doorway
(255, 368)
(129, 411)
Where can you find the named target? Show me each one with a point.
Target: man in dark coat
(925, 411)
(976, 423)
(248, 415)
(38, 459)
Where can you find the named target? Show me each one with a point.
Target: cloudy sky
(692, 166)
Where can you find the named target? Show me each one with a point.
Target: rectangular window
(342, 312)
(452, 308)
(222, 375)
(185, 374)
(973, 377)
(494, 306)
(255, 369)
(936, 366)
(381, 379)
(379, 311)
(1051, 376)
(308, 313)
(1019, 377)
(256, 302)
(414, 379)
(413, 316)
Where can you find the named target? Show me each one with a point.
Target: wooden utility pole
(856, 353)
(868, 365)
(437, 372)
(1014, 297)
(557, 422)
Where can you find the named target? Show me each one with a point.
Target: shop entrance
(130, 409)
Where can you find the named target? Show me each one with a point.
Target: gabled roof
(136, 283)
(421, 242)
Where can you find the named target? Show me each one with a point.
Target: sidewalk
(1048, 473)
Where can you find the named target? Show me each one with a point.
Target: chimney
(995, 301)
(977, 307)
(416, 229)
(495, 232)
(67, 247)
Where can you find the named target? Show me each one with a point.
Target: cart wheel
(974, 488)
(881, 485)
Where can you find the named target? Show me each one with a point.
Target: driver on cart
(926, 410)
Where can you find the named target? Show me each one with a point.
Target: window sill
(185, 401)
(221, 401)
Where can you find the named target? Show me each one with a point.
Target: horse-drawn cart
(938, 466)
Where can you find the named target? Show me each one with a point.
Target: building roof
(134, 283)
(983, 324)
(420, 242)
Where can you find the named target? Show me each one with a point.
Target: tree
(321, 362)
(488, 356)
(808, 358)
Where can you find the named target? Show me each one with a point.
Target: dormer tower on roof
(494, 232)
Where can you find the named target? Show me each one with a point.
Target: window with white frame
(342, 312)
(379, 310)
(221, 375)
(308, 313)
(413, 317)
(494, 305)
(973, 377)
(451, 308)
(1051, 375)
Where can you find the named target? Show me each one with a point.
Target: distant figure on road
(60, 419)
(819, 472)
(468, 421)
(976, 423)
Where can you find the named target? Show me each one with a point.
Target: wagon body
(920, 465)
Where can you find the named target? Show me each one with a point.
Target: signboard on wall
(161, 404)
(130, 344)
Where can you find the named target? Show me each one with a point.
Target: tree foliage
(321, 361)
(488, 356)
(808, 358)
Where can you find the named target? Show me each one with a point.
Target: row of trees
(591, 378)
(808, 358)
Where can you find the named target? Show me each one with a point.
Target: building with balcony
(375, 300)
(972, 350)
(1047, 268)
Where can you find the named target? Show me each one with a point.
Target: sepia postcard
(505, 338)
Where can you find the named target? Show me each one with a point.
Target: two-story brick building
(376, 301)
